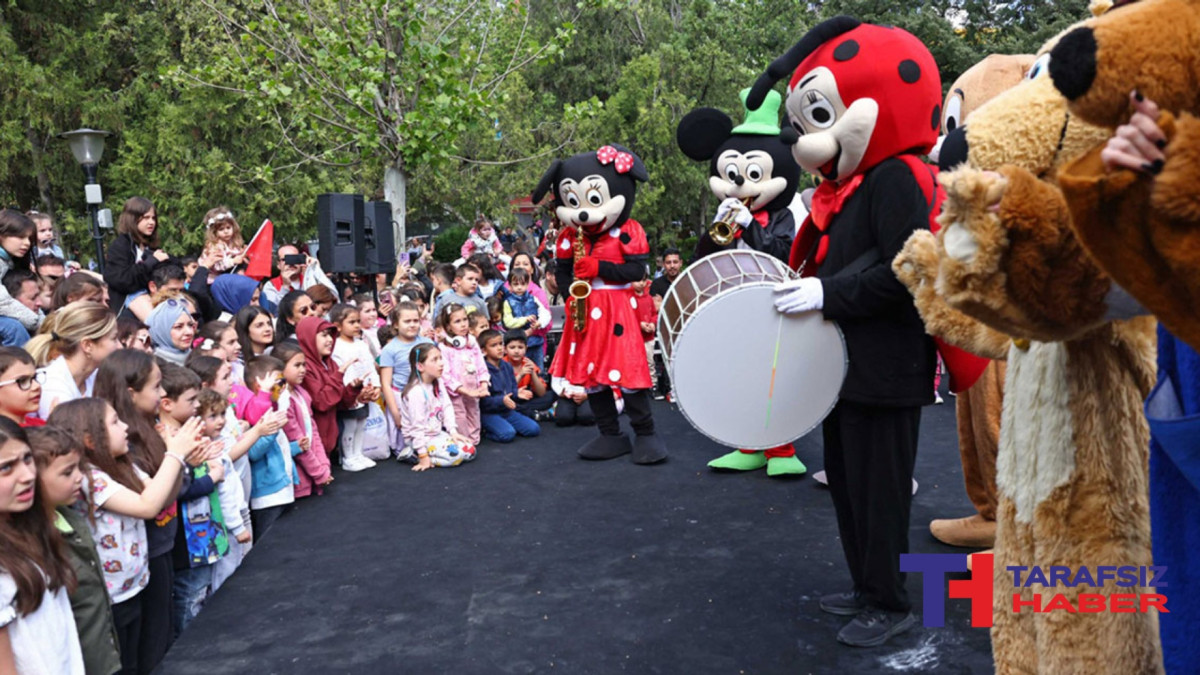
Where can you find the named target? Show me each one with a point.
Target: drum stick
(774, 365)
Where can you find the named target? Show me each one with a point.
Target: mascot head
(747, 161)
(593, 191)
(858, 94)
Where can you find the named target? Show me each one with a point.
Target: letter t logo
(935, 566)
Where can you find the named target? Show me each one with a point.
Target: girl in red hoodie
(323, 379)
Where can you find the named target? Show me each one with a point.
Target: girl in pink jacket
(465, 373)
(313, 464)
(427, 415)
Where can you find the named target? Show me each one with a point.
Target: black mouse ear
(638, 171)
(702, 131)
(546, 184)
(784, 65)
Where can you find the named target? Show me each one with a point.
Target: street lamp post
(88, 147)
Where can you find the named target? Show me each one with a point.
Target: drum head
(749, 377)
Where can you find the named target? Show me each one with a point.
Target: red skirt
(610, 351)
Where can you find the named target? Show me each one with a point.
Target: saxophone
(723, 232)
(579, 290)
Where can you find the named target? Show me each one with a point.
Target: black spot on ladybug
(937, 117)
(625, 239)
(910, 72)
(846, 51)
(618, 330)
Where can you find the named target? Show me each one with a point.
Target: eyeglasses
(24, 383)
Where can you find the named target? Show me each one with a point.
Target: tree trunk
(39, 165)
(395, 188)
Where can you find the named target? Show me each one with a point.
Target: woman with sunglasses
(172, 328)
(294, 306)
(69, 347)
(20, 386)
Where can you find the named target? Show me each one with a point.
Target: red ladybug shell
(893, 67)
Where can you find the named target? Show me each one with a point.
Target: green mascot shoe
(785, 467)
(739, 461)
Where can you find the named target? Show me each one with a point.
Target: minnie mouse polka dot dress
(610, 350)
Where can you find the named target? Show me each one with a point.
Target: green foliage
(262, 105)
(448, 243)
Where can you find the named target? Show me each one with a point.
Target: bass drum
(743, 374)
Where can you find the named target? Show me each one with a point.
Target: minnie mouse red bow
(608, 154)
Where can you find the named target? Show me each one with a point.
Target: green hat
(765, 120)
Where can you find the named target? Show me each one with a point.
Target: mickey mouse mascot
(602, 246)
(865, 101)
(752, 171)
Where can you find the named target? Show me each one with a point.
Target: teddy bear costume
(593, 195)
(1143, 231)
(862, 99)
(1071, 472)
(977, 409)
(748, 162)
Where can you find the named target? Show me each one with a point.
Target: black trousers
(127, 617)
(869, 456)
(157, 632)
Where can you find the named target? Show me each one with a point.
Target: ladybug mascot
(601, 245)
(752, 172)
(865, 102)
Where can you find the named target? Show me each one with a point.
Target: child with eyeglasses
(20, 387)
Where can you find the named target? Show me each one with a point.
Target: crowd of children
(140, 462)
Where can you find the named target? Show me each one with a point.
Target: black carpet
(531, 560)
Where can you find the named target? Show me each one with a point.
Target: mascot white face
(747, 176)
(588, 203)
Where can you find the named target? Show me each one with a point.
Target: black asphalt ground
(530, 560)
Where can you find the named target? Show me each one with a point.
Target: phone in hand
(386, 298)
(412, 257)
(294, 259)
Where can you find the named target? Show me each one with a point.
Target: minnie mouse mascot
(593, 195)
(865, 101)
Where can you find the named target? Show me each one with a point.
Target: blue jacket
(523, 305)
(504, 381)
(267, 468)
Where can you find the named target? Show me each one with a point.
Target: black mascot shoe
(606, 447)
(649, 449)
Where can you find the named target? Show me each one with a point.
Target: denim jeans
(191, 589)
(504, 427)
(12, 333)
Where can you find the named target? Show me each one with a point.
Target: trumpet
(579, 290)
(724, 231)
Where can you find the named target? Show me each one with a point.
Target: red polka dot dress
(610, 350)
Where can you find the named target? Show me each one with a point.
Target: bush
(448, 244)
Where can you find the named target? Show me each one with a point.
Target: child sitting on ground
(522, 311)
(394, 369)
(271, 465)
(501, 421)
(529, 378)
(572, 406)
(428, 414)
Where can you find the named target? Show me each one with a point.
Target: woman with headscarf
(171, 329)
(323, 379)
(233, 292)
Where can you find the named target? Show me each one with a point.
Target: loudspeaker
(340, 232)
(380, 239)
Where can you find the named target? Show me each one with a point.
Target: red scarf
(828, 200)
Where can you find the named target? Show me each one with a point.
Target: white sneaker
(937, 399)
(354, 464)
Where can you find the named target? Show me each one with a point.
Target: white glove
(800, 295)
(742, 215)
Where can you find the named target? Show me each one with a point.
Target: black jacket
(122, 274)
(892, 360)
(775, 239)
